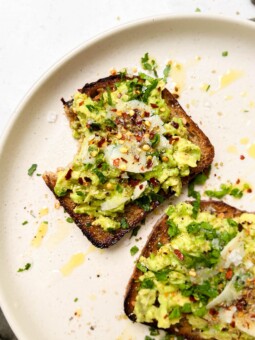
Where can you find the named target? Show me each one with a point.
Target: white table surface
(34, 34)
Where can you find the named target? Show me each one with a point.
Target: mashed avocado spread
(132, 149)
(205, 273)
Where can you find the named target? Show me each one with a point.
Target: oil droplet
(62, 232)
(251, 104)
(228, 97)
(205, 87)
(177, 74)
(78, 312)
(231, 149)
(75, 261)
(43, 212)
(243, 94)
(251, 151)
(41, 232)
(244, 140)
(230, 77)
(93, 297)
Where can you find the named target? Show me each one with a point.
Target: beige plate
(40, 303)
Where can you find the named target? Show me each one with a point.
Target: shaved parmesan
(139, 189)
(246, 324)
(113, 202)
(228, 295)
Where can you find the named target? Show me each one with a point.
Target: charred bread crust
(133, 213)
(159, 234)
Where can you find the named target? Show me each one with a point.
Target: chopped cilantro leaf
(101, 176)
(236, 193)
(172, 228)
(224, 54)
(149, 64)
(109, 96)
(25, 222)
(198, 10)
(26, 267)
(147, 337)
(155, 140)
(176, 313)
(123, 223)
(153, 331)
(186, 308)
(32, 169)
(119, 188)
(75, 300)
(134, 250)
(135, 231)
(162, 275)
(166, 71)
(147, 284)
(224, 190)
(232, 223)
(141, 267)
(69, 220)
(207, 88)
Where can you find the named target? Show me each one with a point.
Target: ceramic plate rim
(120, 29)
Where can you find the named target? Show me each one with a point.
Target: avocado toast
(137, 146)
(196, 275)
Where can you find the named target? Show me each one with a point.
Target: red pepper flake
(146, 114)
(237, 181)
(101, 142)
(80, 180)
(116, 162)
(154, 181)
(213, 312)
(151, 135)
(179, 254)
(81, 103)
(68, 174)
(141, 186)
(137, 158)
(229, 274)
(138, 138)
(175, 125)
(249, 190)
(232, 324)
(241, 304)
(172, 140)
(133, 182)
(124, 160)
(242, 157)
(149, 163)
(154, 106)
(114, 110)
(192, 299)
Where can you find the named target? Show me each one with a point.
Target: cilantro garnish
(224, 54)
(166, 71)
(134, 250)
(124, 223)
(141, 267)
(172, 229)
(109, 96)
(26, 267)
(135, 231)
(69, 220)
(25, 222)
(153, 331)
(149, 64)
(32, 169)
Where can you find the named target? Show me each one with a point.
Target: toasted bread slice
(159, 235)
(133, 213)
